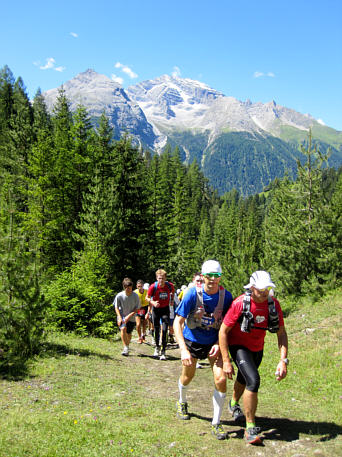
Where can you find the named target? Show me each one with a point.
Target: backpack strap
(273, 316)
(218, 312)
(246, 319)
(192, 320)
(155, 285)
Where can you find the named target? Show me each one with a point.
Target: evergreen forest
(79, 211)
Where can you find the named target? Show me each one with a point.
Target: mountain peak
(215, 129)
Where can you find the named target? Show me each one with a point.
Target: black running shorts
(198, 351)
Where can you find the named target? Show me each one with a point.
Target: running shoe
(162, 356)
(156, 352)
(198, 365)
(251, 435)
(182, 411)
(218, 431)
(125, 351)
(236, 411)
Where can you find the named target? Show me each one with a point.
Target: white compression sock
(182, 392)
(218, 402)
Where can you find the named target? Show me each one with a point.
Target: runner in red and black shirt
(160, 297)
(246, 349)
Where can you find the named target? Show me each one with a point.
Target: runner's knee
(253, 384)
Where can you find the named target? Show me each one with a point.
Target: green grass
(82, 398)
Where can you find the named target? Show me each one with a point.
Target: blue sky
(290, 52)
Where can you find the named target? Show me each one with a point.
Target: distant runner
(160, 297)
(142, 314)
(126, 305)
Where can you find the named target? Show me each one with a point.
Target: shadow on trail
(20, 369)
(61, 350)
(283, 429)
(150, 356)
(289, 430)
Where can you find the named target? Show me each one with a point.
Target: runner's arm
(283, 348)
(118, 314)
(223, 342)
(178, 325)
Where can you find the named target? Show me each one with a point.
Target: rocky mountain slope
(100, 94)
(238, 144)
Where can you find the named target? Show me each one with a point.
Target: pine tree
(22, 304)
(59, 244)
(126, 211)
(297, 227)
(180, 241)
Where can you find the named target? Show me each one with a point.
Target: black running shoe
(236, 411)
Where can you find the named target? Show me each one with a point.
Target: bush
(79, 298)
(22, 314)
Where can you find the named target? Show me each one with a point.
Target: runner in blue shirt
(196, 326)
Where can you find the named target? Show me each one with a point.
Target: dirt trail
(285, 437)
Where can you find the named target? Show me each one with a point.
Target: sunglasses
(213, 275)
(264, 289)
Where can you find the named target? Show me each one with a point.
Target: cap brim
(269, 284)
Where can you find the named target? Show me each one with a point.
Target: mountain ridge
(204, 123)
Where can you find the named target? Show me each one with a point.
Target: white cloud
(75, 35)
(260, 74)
(128, 71)
(50, 65)
(176, 72)
(117, 79)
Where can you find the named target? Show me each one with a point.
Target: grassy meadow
(82, 398)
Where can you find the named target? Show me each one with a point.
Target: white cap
(146, 285)
(211, 266)
(260, 280)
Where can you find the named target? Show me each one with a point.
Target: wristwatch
(286, 361)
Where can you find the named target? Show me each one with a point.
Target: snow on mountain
(153, 108)
(176, 103)
(98, 94)
(173, 102)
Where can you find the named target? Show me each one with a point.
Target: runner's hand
(186, 358)
(281, 371)
(214, 351)
(228, 369)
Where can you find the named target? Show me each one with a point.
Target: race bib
(207, 320)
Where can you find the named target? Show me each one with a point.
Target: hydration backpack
(247, 319)
(206, 321)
